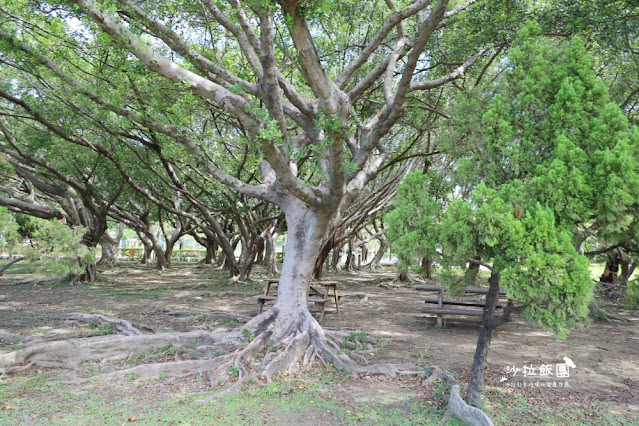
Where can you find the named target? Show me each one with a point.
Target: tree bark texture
(377, 259)
(476, 381)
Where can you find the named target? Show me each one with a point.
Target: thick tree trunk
(318, 270)
(402, 276)
(336, 258)
(221, 260)
(168, 251)
(270, 259)
(210, 244)
(90, 273)
(364, 258)
(211, 248)
(350, 258)
(110, 247)
(259, 248)
(611, 271)
(97, 230)
(146, 253)
(148, 247)
(229, 263)
(161, 261)
(109, 254)
(251, 245)
(426, 267)
(246, 262)
(306, 229)
(476, 382)
(377, 259)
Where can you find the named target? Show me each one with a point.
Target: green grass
(41, 400)
(24, 267)
(505, 407)
(596, 269)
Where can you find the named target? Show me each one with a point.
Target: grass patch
(24, 267)
(40, 399)
(506, 406)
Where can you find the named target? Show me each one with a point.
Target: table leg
(336, 299)
(440, 305)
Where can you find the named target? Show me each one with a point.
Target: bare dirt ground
(606, 355)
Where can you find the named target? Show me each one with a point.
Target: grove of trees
(509, 124)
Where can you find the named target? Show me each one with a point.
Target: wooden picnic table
(319, 292)
(440, 310)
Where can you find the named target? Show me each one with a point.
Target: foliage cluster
(542, 159)
(53, 246)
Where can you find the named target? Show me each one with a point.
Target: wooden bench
(462, 303)
(440, 310)
(261, 299)
(465, 312)
(314, 295)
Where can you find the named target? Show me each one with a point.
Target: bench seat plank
(461, 303)
(262, 297)
(474, 290)
(450, 311)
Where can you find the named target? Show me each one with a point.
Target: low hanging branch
(8, 265)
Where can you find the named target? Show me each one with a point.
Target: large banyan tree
(316, 90)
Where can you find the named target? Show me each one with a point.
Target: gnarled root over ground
(268, 345)
(456, 404)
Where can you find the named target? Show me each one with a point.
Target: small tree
(546, 161)
(409, 224)
(531, 257)
(57, 248)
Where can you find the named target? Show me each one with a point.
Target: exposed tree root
(10, 337)
(120, 326)
(270, 344)
(113, 347)
(456, 404)
(40, 280)
(212, 315)
(599, 314)
(148, 371)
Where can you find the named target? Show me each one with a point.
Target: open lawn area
(603, 388)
